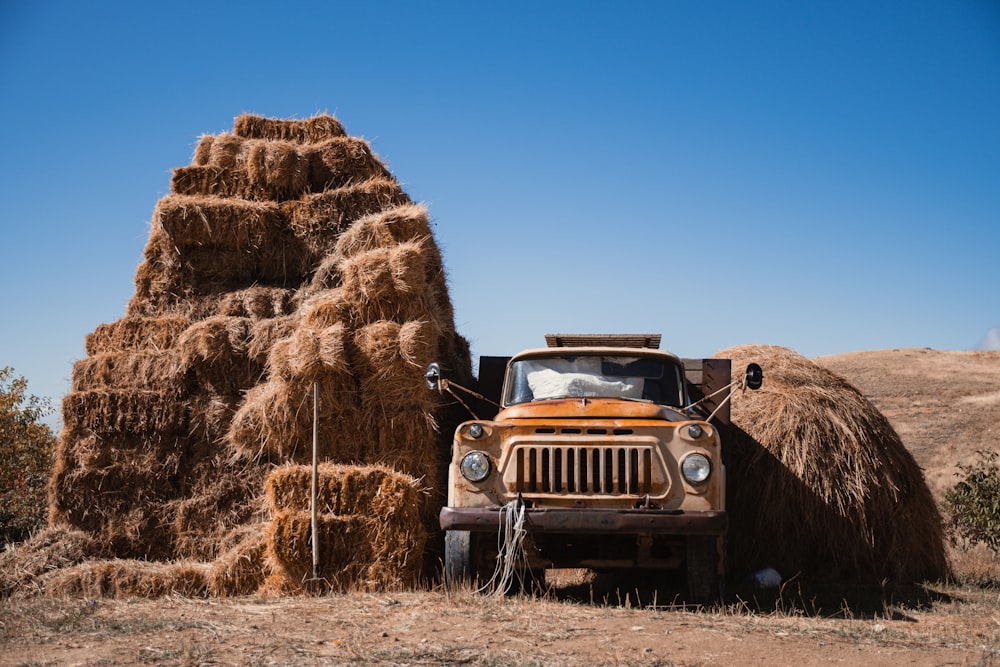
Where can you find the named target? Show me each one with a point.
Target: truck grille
(582, 470)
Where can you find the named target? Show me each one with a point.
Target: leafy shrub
(27, 447)
(973, 505)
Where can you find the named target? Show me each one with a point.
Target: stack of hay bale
(286, 256)
(820, 485)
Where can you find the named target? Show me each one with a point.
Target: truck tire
(702, 569)
(460, 559)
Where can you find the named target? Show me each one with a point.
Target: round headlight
(695, 431)
(475, 466)
(696, 468)
(475, 431)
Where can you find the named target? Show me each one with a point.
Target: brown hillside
(944, 405)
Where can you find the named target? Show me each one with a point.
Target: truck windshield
(595, 376)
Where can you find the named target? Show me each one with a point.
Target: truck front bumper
(593, 521)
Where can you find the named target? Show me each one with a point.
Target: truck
(598, 451)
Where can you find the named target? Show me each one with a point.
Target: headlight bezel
(476, 466)
(696, 468)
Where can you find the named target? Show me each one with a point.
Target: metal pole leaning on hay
(314, 491)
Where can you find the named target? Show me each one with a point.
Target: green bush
(27, 448)
(973, 505)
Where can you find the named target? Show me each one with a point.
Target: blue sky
(819, 175)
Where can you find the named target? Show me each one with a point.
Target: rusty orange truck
(600, 452)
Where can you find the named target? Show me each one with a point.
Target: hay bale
(126, 578)
(275, 422)
(58, 546)
(156, 370)
(346, 490)
(309, 355)
(344, 548)
(388, 284)
(209, 417)
(216, 349)
(319, 219)
(400, 225)
(212, 180)
(247, 286)
(258, 303)
(279, 168)
(326, 309)
(223, 493)
(820, 483)
(265, 334)
(341, 161)
(222, 150)
(170, 275)
(133, 334)
(372, 532)
(385, 228)
(192, 221)
(243, 567)
(117, 488)
(130, 411)
(390, 364)
(311, 130)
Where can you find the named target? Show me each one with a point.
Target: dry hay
(155, 371)
(319, 219)
(265, 334)
(309, 355)
(388, 284)
(820, 483)
(170, 276)
(222, 492)
(286, 255)
(131, 411)
(275, 170)
(217, 350)
(310, 130)
(217, 222)
(242, 567)
(117, 487)
(346, 490)
(275, 422)
(391, 362)
(257, 303)
(386, 228)
(370, 533)
(132, 334)
(52, 548)
(127, 578)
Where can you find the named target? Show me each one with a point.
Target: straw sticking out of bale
(821, 483)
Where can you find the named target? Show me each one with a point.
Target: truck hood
(590, 408)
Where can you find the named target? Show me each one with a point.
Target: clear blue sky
(815, 174)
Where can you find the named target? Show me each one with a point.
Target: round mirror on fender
(433, 377)
(754, 376)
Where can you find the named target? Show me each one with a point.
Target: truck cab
(599, 456)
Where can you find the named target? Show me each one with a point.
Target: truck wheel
(703, 581)
(459, 559)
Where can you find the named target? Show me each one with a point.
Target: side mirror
(754, 377)
(433, 377)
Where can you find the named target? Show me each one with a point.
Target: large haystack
(285, 257)
(820, 484)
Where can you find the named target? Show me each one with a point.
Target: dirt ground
(945, 406)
